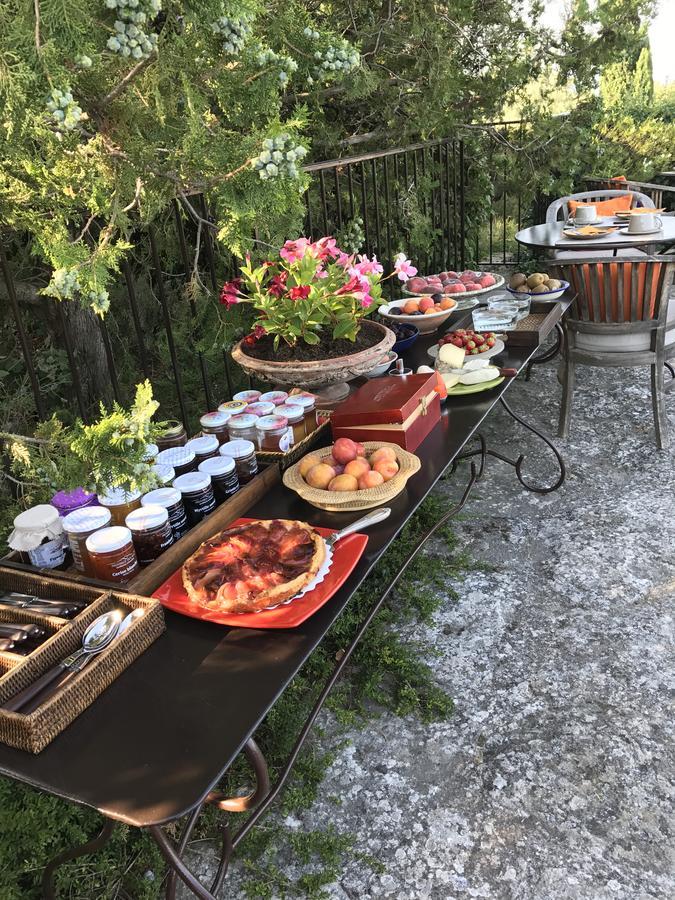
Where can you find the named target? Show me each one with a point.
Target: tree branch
(36, 6)
(128, 78)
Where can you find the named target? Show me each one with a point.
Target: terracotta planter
(327, 377)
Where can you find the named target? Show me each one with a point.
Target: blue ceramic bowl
(409, 334)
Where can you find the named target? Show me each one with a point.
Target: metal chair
(622, 316)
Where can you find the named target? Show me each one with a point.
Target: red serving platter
(346, 554)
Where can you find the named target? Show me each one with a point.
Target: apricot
(343, 483)
(370, 480)
(357, 467)
(308, 462)
(344, 451)
(433, 309)
(411, 306)
(448, 303)
(386, 467)
(360, 449)
(425, 304)
(320, 476)
(382, 453)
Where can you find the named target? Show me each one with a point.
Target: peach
(343, 483)
(370, 480)
(472, 285)
(308, 462)
(448, 303)
(410, 306)
(360, 449)
(425, 304)
(320, 476)
(344, 451)
(386, 467)
(456, 288)
(416, 284)
(357, 467)
(383, 453)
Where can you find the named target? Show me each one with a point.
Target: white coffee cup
(644, 222)
(585, 214)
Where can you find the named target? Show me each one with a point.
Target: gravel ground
(554, 778)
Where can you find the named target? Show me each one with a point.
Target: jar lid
(151, 451)
(164, 473)
(292, 411)
(176, 456)
(248, 396)
(261, 408)
(305, 400)
(148, 516)
(34, 525)
(237, 449)
(217, 465)
(118, 496)
(271, 423)
(201, 445)
(106, 540)
(175, 429)
(214, 419)
(242, 420)
(276, 397)
(66, 501)
(232, 407)
(192, 482)
(167, 496)
(87, 519)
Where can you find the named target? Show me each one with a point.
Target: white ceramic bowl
(425, 323)
(389, 360)
(546, 295)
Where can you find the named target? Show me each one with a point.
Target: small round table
(549, 237)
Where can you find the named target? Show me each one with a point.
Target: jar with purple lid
(276, 397)
(274, 434)
(242, 427)
(68, 501)
(204, 447)
(224, 478)
(248, 396)
(180, 458)
(260, 408)
(215, 423)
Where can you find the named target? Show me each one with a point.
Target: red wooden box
(400, 410)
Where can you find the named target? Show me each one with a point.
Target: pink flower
(292, 251)
(229, 293)
(258, 332)
(325, 247)
(368, 266)
(344, 259)
(277, 285)
(352, 285)
(366, 301)
(321, 273)
(403, 267)
(299, 293)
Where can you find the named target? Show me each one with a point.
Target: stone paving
(554, 778)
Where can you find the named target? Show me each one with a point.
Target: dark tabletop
(154, 744)
(549, 236)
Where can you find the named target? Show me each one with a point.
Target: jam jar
(296, 419)
(308, 403)
(242, 427)
(205, 447)
(182, 459)
(215, 423)
(233, 407)
(248, 396)
(276, 397)
(224, 479)
(260, 408)
(172, 501)
(38, 535)
(165, 474)
(111, 553)
(174, 435)
(150, 532)
(120, 502)
(243, 454)
(198, 497)
(78, 525)
(274, 434)
(150, 454)
(68, 501)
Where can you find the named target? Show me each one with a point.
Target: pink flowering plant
(312, 286)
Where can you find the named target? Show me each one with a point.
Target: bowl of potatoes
(538, 285)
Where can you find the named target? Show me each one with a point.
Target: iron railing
(662, 195)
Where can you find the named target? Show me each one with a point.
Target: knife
(63, 609)
(18, 631)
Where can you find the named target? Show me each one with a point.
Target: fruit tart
(253, 566)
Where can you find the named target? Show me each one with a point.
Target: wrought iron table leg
(549, 354)
(97, 843)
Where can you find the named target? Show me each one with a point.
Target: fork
(371, 518)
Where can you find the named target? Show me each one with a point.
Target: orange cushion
(584, 291)
(605, 207)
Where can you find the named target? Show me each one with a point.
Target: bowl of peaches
(425, 313)
(350, 476)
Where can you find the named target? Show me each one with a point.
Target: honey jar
(204, 447)
(276, 397)
(224, 478)
(172, 501)
(242, 427)
(233, 407)
(120, 502)
(198, 497)
(308, 403)
(274, 434)
(248, 396)
(112, 555)
(215, 423)
(260, 408)
(295, 415)
(181, 459)
(78, 525)
(150, 532)
(243, 454)
(174, 435)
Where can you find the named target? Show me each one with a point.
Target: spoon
(96, 638)
(371, 518)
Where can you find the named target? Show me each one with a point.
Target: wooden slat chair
(559, 210)
(622, 316)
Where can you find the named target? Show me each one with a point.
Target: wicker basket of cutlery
(34, 731)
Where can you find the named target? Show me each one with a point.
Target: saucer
(639, 233)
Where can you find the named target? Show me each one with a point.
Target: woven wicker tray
(352, 501)
(33, 732)
(297, 451)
